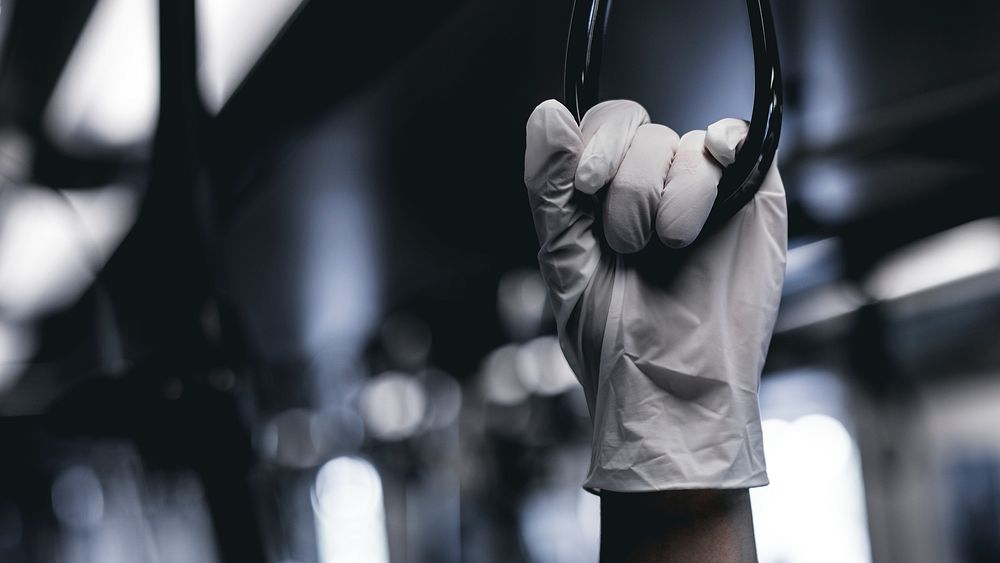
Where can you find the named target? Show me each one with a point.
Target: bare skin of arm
(698, 526)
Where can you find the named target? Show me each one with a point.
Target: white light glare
(108, 94)
(231, 37)
(561, 525)
(521, 302)
(813, 511)
(498, 379)
(16, 347)
(78, 498)
(393, 405)
(350, 514)
(960, 253)
(510, 373)
(825, 303)
(51, 246)
(542, 367)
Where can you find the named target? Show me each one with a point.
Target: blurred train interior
(269, 290)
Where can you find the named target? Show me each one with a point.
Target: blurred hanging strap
(740, 180)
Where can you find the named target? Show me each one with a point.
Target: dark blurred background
(268, 288)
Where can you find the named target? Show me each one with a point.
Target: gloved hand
(671, 366)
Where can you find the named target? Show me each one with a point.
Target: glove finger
(553, 146)
(635, 192)
(692, 184)
(569, 252)
(608, 129)
(724, 138)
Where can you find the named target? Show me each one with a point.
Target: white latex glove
(671, 367)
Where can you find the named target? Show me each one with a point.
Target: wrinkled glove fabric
(670, 364)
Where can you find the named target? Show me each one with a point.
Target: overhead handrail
(741, 179)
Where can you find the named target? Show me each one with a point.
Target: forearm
(684, 526)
